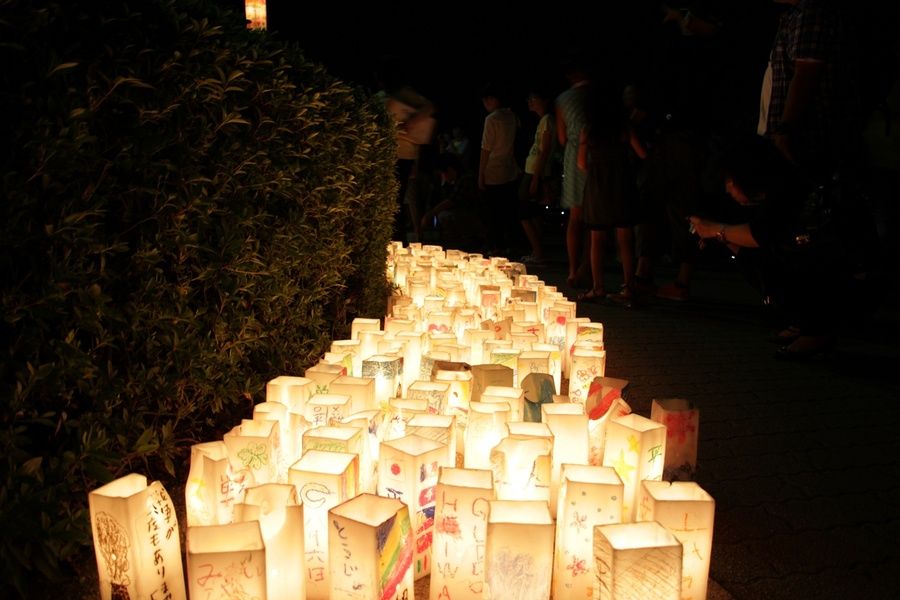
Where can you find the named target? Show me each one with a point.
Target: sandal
(590, 296)
(625, 296)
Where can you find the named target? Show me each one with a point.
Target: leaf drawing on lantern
(254, 456)
(113, 541)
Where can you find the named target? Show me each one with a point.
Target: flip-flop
(591, 296)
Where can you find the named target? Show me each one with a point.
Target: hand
(703, 228)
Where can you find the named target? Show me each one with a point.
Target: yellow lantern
(353, 348)
(290, 391)
(361, 391)
(322, 480)
(398, 414)
(280, 516)
(393, 326)
(474, 339)
(572, 324)
(226, 561)
(368, 343)
(327, 409)
(554, 362)
(460, 533)
(289, 444)
(322, 375)
(485, 429)
(334, 439)
(253, 451)
(255, 12)
(408, 470)
(440, 428)
(522, 462)
(508, 357)
(512, 396)
(531, 361)
(460, 380)
(682, 421)
(370, 423)
(360, 324)
(588, 496)
(371, 545)
(412, 356)
(569, 426)
(435, 393)
(586, 365)
(387, 372)
(688, 512)
(484, 376)
(636, 449)
(637, 560)
(519, 553)
(136, 540)
(211, 489)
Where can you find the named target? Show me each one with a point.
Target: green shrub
(190, 209)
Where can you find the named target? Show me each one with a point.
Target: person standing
(538, 167)
(498, 173)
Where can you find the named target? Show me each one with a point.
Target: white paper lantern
(519, 556)
(682, 421)
(637, 561)
(211, 489)
(485, 429)
(636, 449)
(226, 561)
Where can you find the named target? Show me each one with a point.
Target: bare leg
(534, 237)
(625, 243)
(598, 241)
(573, 239)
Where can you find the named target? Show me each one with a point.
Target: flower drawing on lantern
(678, 424)
(113, 541)
(514, 574)
(253, 456)
(578, 566)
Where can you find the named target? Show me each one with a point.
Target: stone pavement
(801, 458)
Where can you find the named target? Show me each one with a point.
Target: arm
(560, 127)
(636, 144)
(543, 154)
(482, 166)
(582, 151)
(732, 235)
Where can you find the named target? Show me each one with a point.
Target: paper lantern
(597, 426)
(460, 379)
(519, 552)
(360, 324)
(637, 560)
(368, 343)
(408, 470)
(636, 449)
(353, 348)
(370, 423)
(440, 428)
(327, 409)
(515, 397)
(136, 540)
(255, 12)
(412, 357)
(485, 429)
(289, 444)
(393, 326)
(334, 439)
(531, 361)
(508, 357)
(386, 371)
(460, 533)
(280, 516)
(226, 561)
(371, 545)
(290, 391)
(568, 424)
(490, 300)
(682, 421)
(435, 393)
(521, 463)
(475, 339)
(398, 414)
(538, 389)
(340, 359)
(572, 324)
(588, 496)
(322, 480)
(211, 489)
(418, 290)
(322, 375)
(586, 365)
(361, 391)
(253, 451)
(554, 362)
(523, 341)
(688, 512)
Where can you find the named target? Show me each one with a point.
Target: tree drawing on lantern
(253, 456)
(113, 541)
(513, 575)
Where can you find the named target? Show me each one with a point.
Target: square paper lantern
(387, 372)
(322, 375)
(555, 362)
(408, 471)
(519, 553)
(522, 466)
(682, 421)
(460, 533)
(515, 397)
(415, 345)
(460, 379)
(362, 324)
(474, 339)
(531, 361)
(360, 389)
(368, 343)
(398, 414)
(485, 429)
(370, 423)
(636, 449)
(637, 560)
(484, 376)
(440, 428)
(604, 402)
(588, 496)
(334, 439)
(393, 326)
(253, 451)
(568, 424)
(322, 480)
(280, 517)
(288, 443)
(291, 391)
(136, 540)
(435, 393)
(688, 512)
(572, 325)
(353, 348)
(327, 409)
(586, 365)
(226, 561)
(371, 547)
(255, 13)
(508, 357)
(211, 489)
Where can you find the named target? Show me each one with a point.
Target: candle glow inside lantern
(688, 512)
(290, 391)
(408, 471)
(519, 552)
(253, 450)
(280, 517)
(255, 13)
(400, 411)
(370, 423)
(361, 391)
(440, 428)
(586, 365)
(572, 324)
(635, 448)
(637, 560)
(435, 393)
(371, 545)
(682, 421)
(386, 371)
(327, 409)
(460, 533)
(322, 480)
(569, 426)
(588, 496)
(521, 463)
(322, 375)
(554, 362)
(136, 540)
(531, 361)
(353, 348)
(485, 429)
(211, 489)
(226, 561)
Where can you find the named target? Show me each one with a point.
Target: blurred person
(538, 167)
(498, 173)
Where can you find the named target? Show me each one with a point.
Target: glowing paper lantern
(440, 428)
(519, 553)
(508, 357)
(485, 429)
(226, 561)
(475, 339)
(322, 375)
(398, 414)
(253, 451)
(597, 429)
(280, 517)
(353, 348)
(569, 426)
(515, 397)
(136, 540)
(255, 12)
(371, 545)
(327, 409)
(586, 365)
(460, 533)
(531, 361)
(289, 444)
(637, 560)
(360, 324)
(588, 496)
(211, 489)
(554, 362)
(370, 424)
(688, 512)
(408, 471)
(360, 389)
(334, 439)
(435, 393)
(635, 448)
(386, 371)
(323, 480)
(460, 379)
(368, 343)
(572, 324)
(290, 391)
(682, 421)
(485, 376)
(539, 390)
(412, 357)
(522, 462)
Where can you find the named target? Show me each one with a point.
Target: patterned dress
(571, 106)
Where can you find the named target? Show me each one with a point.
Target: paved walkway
(801, 458)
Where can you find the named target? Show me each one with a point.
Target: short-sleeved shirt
(499, 140)
(545, 125)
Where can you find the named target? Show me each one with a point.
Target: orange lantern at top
(255, 11)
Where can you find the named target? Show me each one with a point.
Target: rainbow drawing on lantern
(395, 553)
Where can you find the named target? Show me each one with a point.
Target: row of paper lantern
(353, 480)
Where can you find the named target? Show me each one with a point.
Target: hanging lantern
(688, 512)
(255, 12)
(460, 533)
(637, 560)
(588, 496)
(280, 516)
(322, 480)
(519, 552)
(636, 449)
(371, 545)
(136, 540)
(682, 421)
(485, 429)
(408, 470)
(226, 561)
(211, 489)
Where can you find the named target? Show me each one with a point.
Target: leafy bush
(190, 209)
